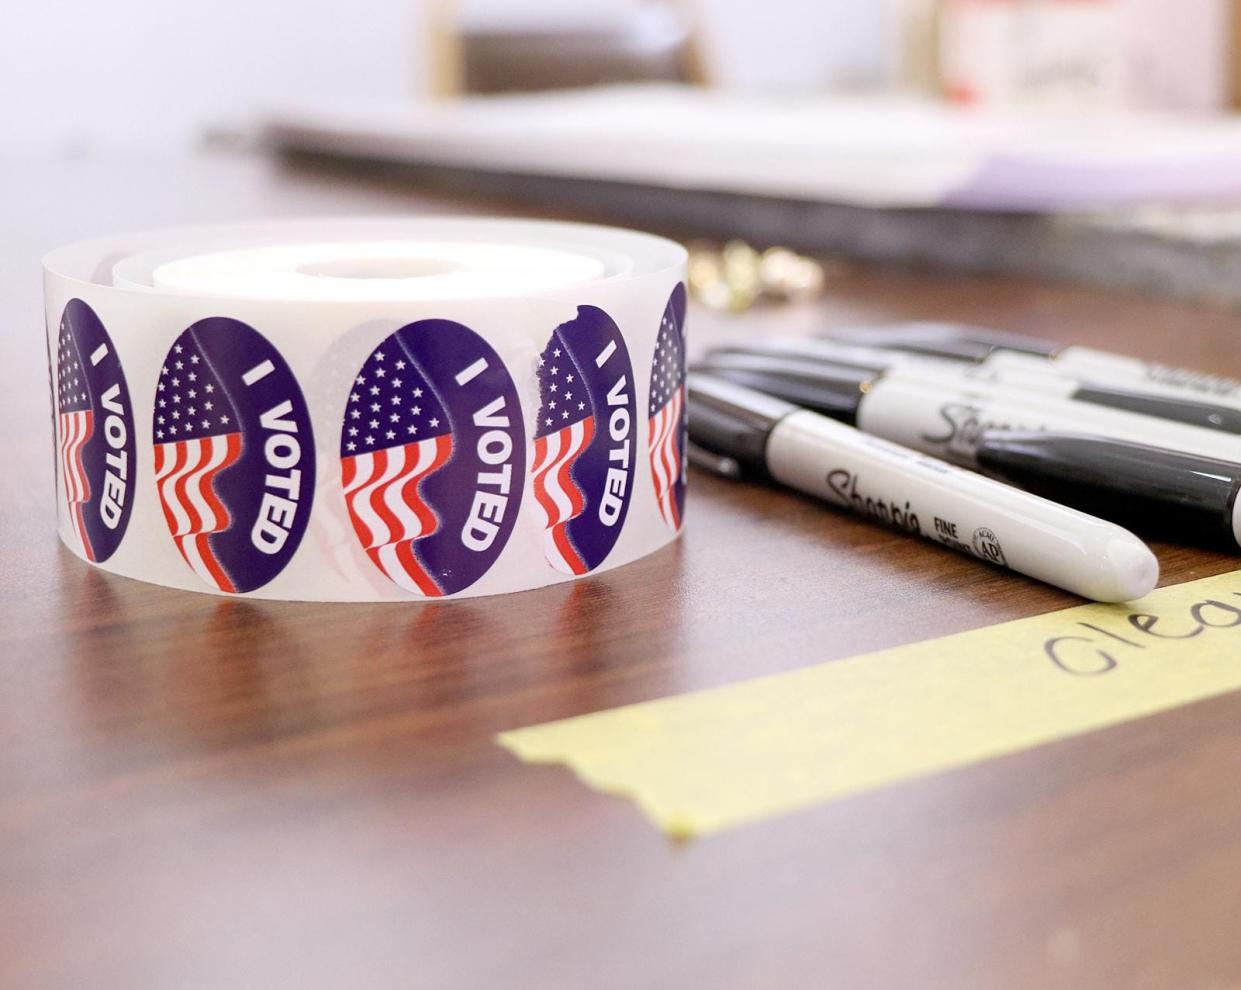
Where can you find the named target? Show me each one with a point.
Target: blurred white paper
(868, 151)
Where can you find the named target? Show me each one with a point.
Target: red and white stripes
(389, 513)
(75, 429)
(185, 472)
(557, 493)
(662, 439)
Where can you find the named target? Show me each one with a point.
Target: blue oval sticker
(667, 418)
(433, 457)
(234, 454)
(583, 440)
(95, 433)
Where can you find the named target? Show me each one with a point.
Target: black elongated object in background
(834, 391)
(773, 362)
(953, 341)
(1183, 497)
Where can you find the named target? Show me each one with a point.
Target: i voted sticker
(667, 420)
(94, 433)
(583, 440)
(234, 454)
(433, 457)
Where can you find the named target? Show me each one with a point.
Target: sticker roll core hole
(388, 268)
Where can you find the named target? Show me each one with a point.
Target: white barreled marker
(920, 495)
(997, 349)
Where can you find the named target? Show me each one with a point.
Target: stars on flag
(390, 405)
(183, 412)
(667, 364)
(72, 394)
(561, 402)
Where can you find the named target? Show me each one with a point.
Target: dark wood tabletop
(198, 792)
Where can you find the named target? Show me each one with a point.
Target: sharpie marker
(1156, 492)
(1016, 371)
(975, 344)
(919, 495)
(943, 415)
(948, 341)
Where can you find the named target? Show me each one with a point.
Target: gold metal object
(737, 276)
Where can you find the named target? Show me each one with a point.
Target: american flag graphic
(76, 421)
(396, 434)
(197, 436)
(664, 440)
(564, 427)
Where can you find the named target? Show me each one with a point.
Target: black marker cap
(815, 352)
(1182, 497)
(956, 341)
(728, 419)
(788, 357)
(835, 390)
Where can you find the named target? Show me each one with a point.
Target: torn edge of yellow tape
(702, 762)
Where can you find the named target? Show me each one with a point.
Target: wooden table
(206, 792)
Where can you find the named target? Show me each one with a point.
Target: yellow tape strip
(702, 762)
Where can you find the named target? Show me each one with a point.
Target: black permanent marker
(1020, 372)
(919, 495)
(943, 415)
(976, 344)
(1153, 491)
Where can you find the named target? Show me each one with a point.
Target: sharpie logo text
(844, 485)
(964, 426)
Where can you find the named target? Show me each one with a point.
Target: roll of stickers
(368, 410)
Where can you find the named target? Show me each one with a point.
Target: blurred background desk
(204, 792)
